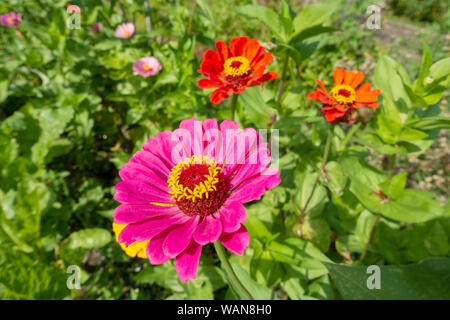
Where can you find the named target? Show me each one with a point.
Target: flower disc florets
(198, 186)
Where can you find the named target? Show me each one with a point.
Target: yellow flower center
(11, 20)
(193, 178)
(236, 67)
(343, 94)
(146, 67)
(126, 33)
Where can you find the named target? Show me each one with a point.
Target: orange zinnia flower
(344, 98)
(232, 69)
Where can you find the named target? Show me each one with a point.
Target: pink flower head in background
(186, 189)
(96, 27)
(11, 19)
(71, 8)
(125, 30)
(147, 66)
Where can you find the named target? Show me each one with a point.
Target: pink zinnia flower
(125, 30)
(147, 66)
(11, 19)
(96, 27)
(186, 188)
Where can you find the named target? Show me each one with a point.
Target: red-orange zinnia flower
(344, 98)
(232, 69)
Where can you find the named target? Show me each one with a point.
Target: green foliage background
(72, 113)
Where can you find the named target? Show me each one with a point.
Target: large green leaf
(313, 15)
(267, 16)
(426, 280)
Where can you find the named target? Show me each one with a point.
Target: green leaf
(412, 206)
(267, 16)
(258, 291)
(430, 123)
(3, 90)
(427, 60)
(395, 188)
(409, 134)
(336, 179)
(80, 242)
(26, 277)
(89, 238)
(440, 69)
(305, 181)
(301, 255)
(254, 106)
(313, 15)
(427, 280)
(389, 76)
(388, 125)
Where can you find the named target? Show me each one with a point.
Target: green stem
(377, 219)
(322, 166)
(233, 106)
(391, 167)
(232, 277)
(371, 236)
(283, 76)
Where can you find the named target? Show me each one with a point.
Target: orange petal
(372, 105)
(332, 115)
(358, 78)
(252, 49)
(206, 84)
(363, 88)
(262, 61)
(338, 76)
(237, 45)
(320, 83)
(366, 97)
(224, 51)
(211, 62)
(217, 96)
(268, 76)
(348, 77)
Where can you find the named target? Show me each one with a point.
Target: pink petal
(149, 229)
(253, 188)
(132, 213)
(151, 161)
(237, 241)
(208, 230)
(186, 264)
(194, 127)
(137, 192)
(232, 215)
(154, 251)
(135, 171)
(179, 237)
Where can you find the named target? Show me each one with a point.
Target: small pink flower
(11, 19)
(96, 27)
(186, 189)
(125, 30)
(147, 66)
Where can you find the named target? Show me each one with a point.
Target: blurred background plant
(72, 113)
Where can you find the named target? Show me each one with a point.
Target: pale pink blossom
(146, 66)
(125, 30)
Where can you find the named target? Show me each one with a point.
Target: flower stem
(322, 166)
(371, 236)
(391, 167)
(233, 106)
(283, 76)
(236, 285)
(377, 219)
